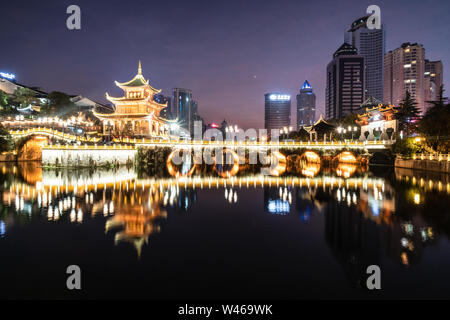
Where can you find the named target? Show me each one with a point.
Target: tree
(6, 141)
(3, 99)
(407, 115)
(300, 135)
(58, 104)
(23, 97)
(5, 107)
(434, 125)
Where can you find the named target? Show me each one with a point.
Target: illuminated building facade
(378, 123)
(136, 113)
(404, 70)
(183, 109)
(277, 111)
(433, 79)
(306, 106)
(345, 83)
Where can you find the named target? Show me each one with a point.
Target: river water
(304, 236)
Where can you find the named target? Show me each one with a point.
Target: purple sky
(229, 53)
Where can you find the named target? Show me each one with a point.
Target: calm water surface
(306, 236)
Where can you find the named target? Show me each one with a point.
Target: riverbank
(8, 157)
(434, 165)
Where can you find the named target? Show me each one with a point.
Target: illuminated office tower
(345, 83)
(183, 109)
(370, 44)
(306, 106)
(277, 111)
(433, 78)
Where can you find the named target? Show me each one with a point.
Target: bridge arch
(346, 157)
(30, 148)
(277, 164)
(310, 156)
(185, 168)
(230, 169)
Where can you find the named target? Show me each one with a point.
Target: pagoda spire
(140, 68)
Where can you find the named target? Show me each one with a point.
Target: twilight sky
(229, 53)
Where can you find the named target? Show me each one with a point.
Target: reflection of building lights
(404, 242)
(73, 215)
(2, 229)
(278, 206)
(409, 228)
(80, 215)
(404, 258)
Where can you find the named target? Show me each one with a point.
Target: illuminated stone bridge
(89, 150)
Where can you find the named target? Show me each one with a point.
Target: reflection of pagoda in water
(138, 220)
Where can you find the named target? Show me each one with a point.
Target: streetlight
(352, 129)
(339, 130)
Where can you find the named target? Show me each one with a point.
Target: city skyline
(179, 55)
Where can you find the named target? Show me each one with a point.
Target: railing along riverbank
(426, 162)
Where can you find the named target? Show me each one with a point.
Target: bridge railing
(52, 132)
(89, 147)
(253, 143)
(427, 156)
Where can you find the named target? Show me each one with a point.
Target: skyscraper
(433, 81)
(370, 44)
(277, 111)
(404, 70)
(183, 109)
(306, 106)
(345, 83)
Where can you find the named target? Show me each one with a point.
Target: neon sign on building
(6, 75)
(282, 97)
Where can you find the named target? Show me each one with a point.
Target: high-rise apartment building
(404, 70)
(345, 83)
(370, 44)
(433, 78)
(306, 106)
(277, 111)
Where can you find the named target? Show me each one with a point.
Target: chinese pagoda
(136, 113)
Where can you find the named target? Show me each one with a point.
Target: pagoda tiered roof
(137, 81)
(321, 125)
(386, 111)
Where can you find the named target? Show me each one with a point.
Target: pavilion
(136, 113)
